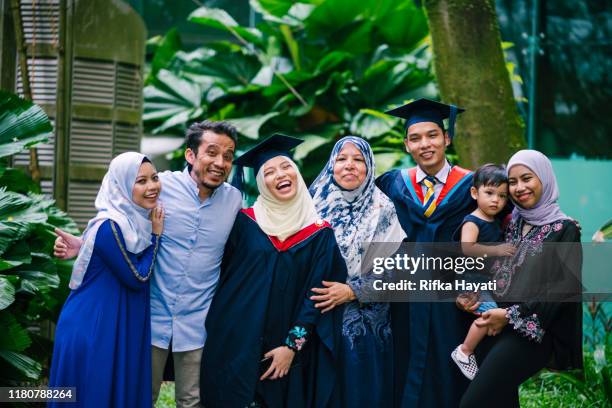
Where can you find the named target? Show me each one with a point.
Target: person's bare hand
(494, 320)
(282, 357)
(66, 245)
(468, 302)
(157, 220)
(332, 295)
(504, 250)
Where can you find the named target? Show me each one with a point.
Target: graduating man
(431, 199)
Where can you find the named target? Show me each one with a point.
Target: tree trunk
(471, 73)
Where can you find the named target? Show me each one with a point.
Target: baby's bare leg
(474, 336)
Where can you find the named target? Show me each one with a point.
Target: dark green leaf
(7, 293)
(166, 48)
(249, 126)
(331, 60)
(311, 142)
(16, 180)
(38, 280)
(14, 336)
(221, 20)
(175, 101)
(387, 161)
(22, 124)
(18, 254)
(25, 365)
(276, 8)
(369, 123)
(404, 26)
(212, 68)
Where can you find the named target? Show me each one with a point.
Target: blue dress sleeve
(132, 270)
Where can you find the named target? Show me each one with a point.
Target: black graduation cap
(275, 145)
(426, 110)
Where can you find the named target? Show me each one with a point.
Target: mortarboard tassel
(451, 122)
(238, 179)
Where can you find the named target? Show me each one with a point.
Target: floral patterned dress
(540, 288)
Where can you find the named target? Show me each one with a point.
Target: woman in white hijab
(267, 345)
(103, 336)
(345, 195)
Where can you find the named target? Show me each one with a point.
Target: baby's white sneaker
(467, 364)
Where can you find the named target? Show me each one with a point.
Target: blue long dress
(424, 334)
(103, 337)
(366, 353)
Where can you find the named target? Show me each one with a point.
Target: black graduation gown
(424, 334)
(263, 292)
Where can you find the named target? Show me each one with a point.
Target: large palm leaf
(22, 124)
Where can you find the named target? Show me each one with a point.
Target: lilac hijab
(546, 211)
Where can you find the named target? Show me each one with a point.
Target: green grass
(538, 392)
(552, 391)
(166, 396)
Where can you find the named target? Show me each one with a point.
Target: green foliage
(166, 396)
(30, 278)
(591, 387)
(570, 389)
(511, 67)
(166, 47)
(316, 70)
(32, 284)
(22, 124)
(606, 230)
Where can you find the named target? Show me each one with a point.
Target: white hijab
(114, 202)
(283, 218)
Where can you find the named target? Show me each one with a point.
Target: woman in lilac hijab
(539, 321)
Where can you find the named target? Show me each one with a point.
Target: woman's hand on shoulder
(332, 295)
(157, 219)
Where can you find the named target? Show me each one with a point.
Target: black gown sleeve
(532, 318)
(229, 249)
(327, 264)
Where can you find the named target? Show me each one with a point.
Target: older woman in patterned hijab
(345, 196)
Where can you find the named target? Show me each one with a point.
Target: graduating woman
(345, 195)
(267, 344)
(103, 337)
(539, 320)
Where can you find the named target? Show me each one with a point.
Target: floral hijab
(360, 216)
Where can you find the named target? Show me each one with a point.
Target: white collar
(441, 175)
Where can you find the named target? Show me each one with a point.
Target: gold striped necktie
(429, 201)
